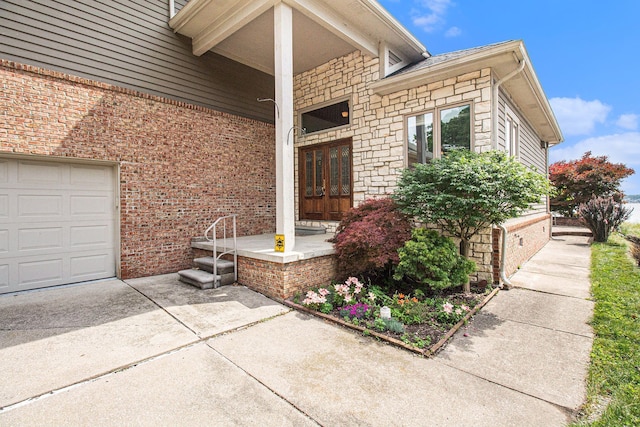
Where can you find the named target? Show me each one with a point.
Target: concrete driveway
(153, 351)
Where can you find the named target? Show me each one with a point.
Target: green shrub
(432, 261)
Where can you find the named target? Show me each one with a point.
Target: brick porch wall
(284, 280)
(525, 238)
(181, 165)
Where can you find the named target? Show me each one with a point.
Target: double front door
(326, 186)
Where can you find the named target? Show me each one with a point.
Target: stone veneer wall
(181, 166)
(378, 125)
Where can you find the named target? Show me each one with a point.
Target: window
(328, 117)
(511, 132)
(428, 139)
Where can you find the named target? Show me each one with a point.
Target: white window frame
(511, 132)
(436, 117)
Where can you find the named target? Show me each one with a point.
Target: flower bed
(418, 322)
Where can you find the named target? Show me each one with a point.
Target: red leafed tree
(577, 181)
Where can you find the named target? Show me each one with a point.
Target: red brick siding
(524, 239)
(181, 165)
(284, 280)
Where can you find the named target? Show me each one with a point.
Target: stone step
(206, 264)
(205, 280)
(308, 230)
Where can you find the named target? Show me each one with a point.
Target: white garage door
(57, 223)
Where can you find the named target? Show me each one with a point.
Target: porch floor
(262, 247)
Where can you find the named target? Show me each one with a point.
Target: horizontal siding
(128, 43)
(529, 151)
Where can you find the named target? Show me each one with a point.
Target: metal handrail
(214, 240)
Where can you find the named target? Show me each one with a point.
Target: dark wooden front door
(326, 188)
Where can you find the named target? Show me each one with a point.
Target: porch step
(307, 230)
(204, 279)
(206, 264)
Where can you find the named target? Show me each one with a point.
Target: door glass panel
(346, 171)
(333, 171)
(319, 177)
(308, 180)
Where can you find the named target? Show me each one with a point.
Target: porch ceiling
(242, 30)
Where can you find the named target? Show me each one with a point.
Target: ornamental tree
(368, 238)
(465, 192)
(578, 181)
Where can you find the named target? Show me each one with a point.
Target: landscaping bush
(603, 215)
(432, 261)
(368, 238)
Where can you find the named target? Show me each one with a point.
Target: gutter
(494, 100)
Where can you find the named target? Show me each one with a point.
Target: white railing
(222, 222)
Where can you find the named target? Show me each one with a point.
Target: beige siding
(128, 44)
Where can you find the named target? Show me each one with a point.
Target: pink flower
(324, 292)
(372, 296)
(458, 311)
(465, 308)
(447, 307)
(348, 298)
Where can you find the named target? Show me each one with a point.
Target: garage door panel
(40, 205)
(39, 273)
(40, 238)
(48, 173)
(87, 267)
(4, 242)
(4, 277)
(91, 236)
(90, 205)
(4, 171)
(4, 206)
(82, 176)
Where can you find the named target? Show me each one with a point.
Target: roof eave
(489, 58)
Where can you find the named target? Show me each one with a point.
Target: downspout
(503, 275)
(494, 143)
(172, 8)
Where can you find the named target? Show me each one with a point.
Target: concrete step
(205, 280)
(206, 264)
(307, 230)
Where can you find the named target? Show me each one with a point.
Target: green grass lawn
(614, 375)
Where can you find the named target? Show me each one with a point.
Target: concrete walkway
(154, 352)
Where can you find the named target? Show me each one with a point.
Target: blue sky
(586, 55)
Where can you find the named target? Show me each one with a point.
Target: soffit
(502, 58)
(322, 30)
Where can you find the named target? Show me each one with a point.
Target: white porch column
(283, 38)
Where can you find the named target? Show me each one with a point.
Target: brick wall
(525, 237)
(181, 165)
(284, 280)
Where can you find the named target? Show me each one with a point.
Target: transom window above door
(326, 186)
(428, 138)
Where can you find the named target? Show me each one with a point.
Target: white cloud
(620, 148)
(577, 116)
(430, 16)
(453, 32)
(628, 121)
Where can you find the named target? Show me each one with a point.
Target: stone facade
(180, 165)
(378, 125)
